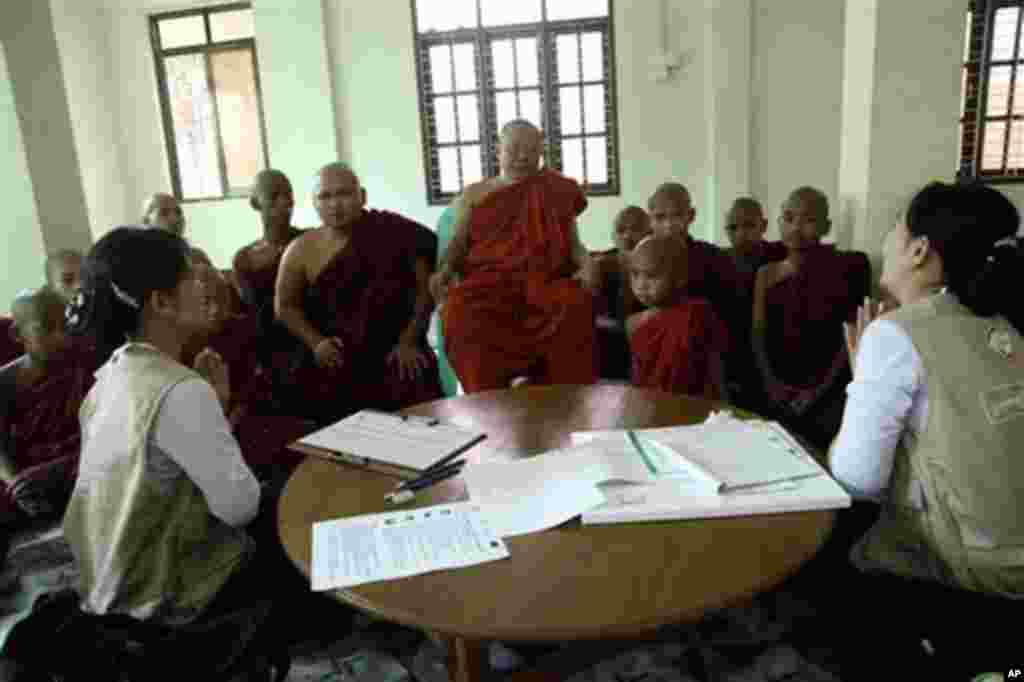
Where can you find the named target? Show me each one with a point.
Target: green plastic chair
(449, 381)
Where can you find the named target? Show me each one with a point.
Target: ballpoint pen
(408, 490)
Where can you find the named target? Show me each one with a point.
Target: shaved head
(36, 307)
(631, 225)
(522, 145)
(266, 180)
(337, 196)
(335, 168)
(672, 191)
(671, 210)
(814, 199)
(519, 124)
(162, 210)
(64, 272)
(662, 253)
(272, 196)
(743, 204)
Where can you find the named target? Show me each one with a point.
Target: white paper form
(373, 547)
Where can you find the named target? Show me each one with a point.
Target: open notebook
(395, 444)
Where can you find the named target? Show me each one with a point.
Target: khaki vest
(955, 511)
(147, 548)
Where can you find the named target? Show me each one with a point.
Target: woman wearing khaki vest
(932, 442)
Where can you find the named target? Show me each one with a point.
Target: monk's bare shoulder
(770, 274)
(475, 193)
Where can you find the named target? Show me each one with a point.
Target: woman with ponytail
(155, 519)
(931, 443)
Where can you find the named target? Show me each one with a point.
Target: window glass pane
(963, 90)
(526, 61)
(182, 32)
(576, 9)
(441, 69)
(529, 107)
(593, 56)
(195, 139)
(234, 83)
(967, 36)
(444, 15)
(593, 107)
(569, 105)
(505, 108)
(465, 66)
(232, 25)
(597, 160)
(567, 54)
(469, 119)
(472, 164)
(444, 119)
(1015, 154)
(504, 12)
(992, 153)
(998, 90)
(501, 60)
(1018, 93)
(572, 158)
(959, 146)
(448, 165)
(1004, 31)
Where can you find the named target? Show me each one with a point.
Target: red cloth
(805, 313)
(40, 424)
(366, 297)
(264, 432)
(673, 348)
(516, 309)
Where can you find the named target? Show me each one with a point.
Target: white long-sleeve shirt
(888, 396)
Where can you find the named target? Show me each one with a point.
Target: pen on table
(408, 490)
(430, 471)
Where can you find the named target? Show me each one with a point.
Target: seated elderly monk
(256, 413)
(40, 394)
(163, 211)
(516, 307)
(354, 291)
(64, 273)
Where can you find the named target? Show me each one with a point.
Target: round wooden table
(570, 582)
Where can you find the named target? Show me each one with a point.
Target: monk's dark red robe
(277, 345)
(516, 309)
(267, 428)
(673, 349)
(39, 424)
(366, 297)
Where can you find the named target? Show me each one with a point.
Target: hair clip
(123, 297)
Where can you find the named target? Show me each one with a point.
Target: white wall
(21, 259)
(797, 99)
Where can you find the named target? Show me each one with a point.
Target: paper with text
(374, 547)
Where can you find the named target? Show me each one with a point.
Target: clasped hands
(407, 357)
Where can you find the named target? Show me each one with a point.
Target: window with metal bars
(482, 63)
(992, 103)
(210, 100)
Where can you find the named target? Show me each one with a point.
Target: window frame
(207, 48)
(974, 97)
(481, 37)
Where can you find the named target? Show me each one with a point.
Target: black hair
(120, 273)
(973, 228)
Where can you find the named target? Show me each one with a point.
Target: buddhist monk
(256, 412)
(678, 342)
(799, 303)
(40, 394)
(64, 273)
(516, 281)
(163, 211)
(711, 274)
(617, 301)
(355, 293)
(745, 225)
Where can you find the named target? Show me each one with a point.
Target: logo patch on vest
(1003, 403)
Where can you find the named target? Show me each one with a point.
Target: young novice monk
(617, 302)
(678, 342)
(40, 394)
(254, 413)
(799, 303)
(64, 273)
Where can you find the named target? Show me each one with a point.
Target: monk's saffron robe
(517, 309)
(673, 349)
(366, 297)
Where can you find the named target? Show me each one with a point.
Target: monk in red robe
(257, 414)
(40, 394)
(163, 211)
(617, 302)
(799, 304)
(511, 278)
(64, 273)
(355, 292)
(678, 342)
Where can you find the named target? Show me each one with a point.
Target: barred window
(992, 104)
(210, 100)
(482, 63)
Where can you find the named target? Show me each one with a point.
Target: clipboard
(392, 444)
